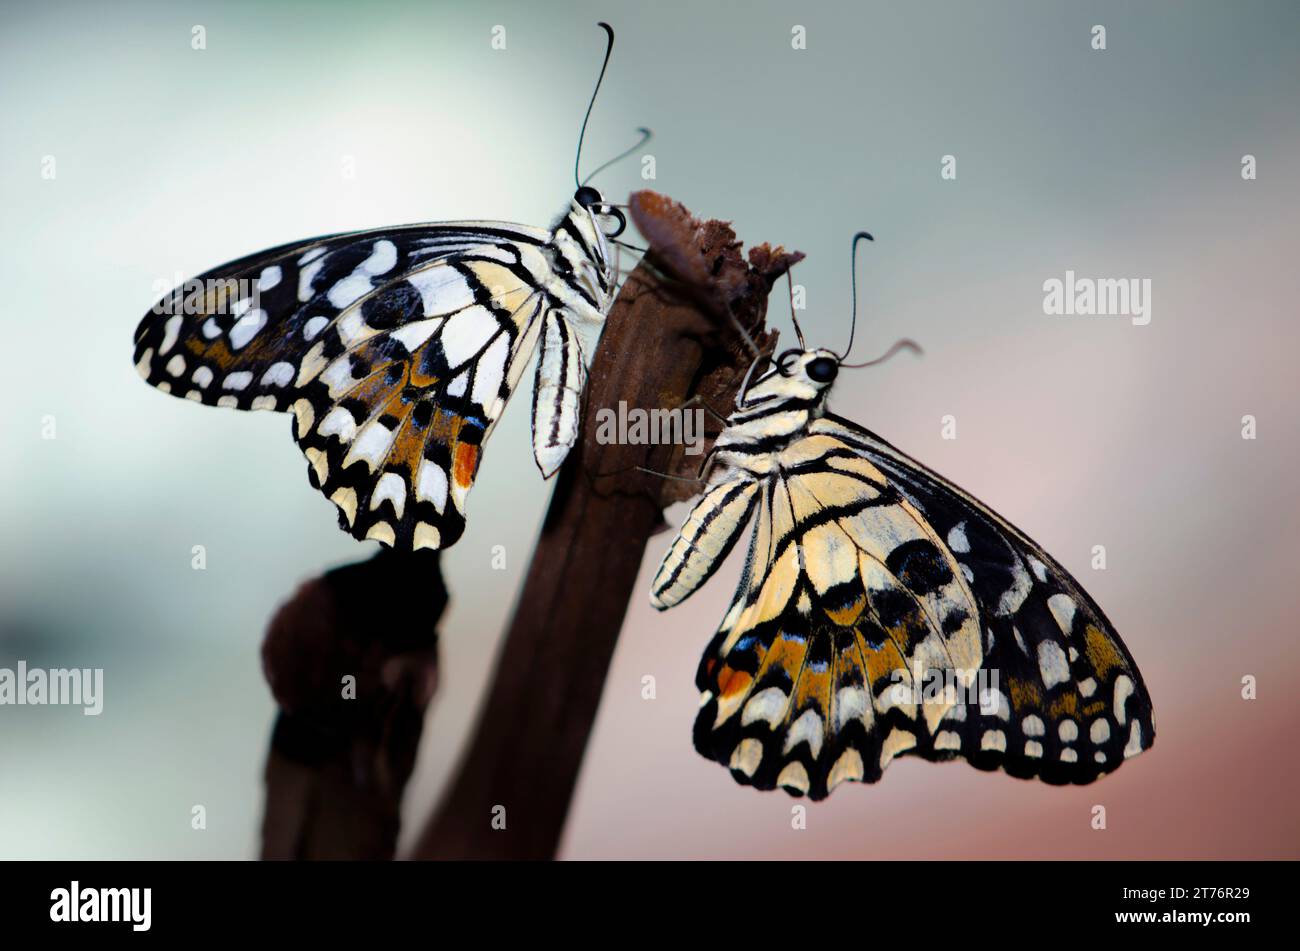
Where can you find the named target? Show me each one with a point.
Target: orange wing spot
(1024, 695)
(1101, 652)
(732, 682)
(465, 465)
(1066, 705)
(881, 661)
(216, 352)
(847, 616)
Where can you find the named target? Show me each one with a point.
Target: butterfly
(883, 612)
(396, 350)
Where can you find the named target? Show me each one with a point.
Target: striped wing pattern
(1070, 704)
(395, 350)
(867, 575)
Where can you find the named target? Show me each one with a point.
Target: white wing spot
(1134, 741)
(850, 705)
(993, 740)
(847, 767)
(1123, 690)
(171, 330)
(431, 485)
(766, 705)
(794, 776)
(1062, 607)
(278, 374)
(1015, 595)
(746, 756)
(269, 277)
(348, 290)
(339, 423)
(807, 727)
(307, 276)
(1052, 663)
(246, 327)
(466, 333)
(390, 486)
(413, 335)
(314, 327)
(947, 740)
(382, 258)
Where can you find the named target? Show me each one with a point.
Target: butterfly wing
(846, 593)
(1069, 703)
(858, 590)
(396, 350)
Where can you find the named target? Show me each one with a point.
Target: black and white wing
(876, 605)
(1069, 704)
(395, 350)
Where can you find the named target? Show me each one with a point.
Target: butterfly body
(396, 351)
(869, 580)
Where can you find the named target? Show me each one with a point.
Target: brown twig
(670, 336)
(341, 753)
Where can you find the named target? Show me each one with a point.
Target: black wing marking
(1069, 703)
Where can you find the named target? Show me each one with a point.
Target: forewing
(237, 335)
(396, 351)
(1063, 699)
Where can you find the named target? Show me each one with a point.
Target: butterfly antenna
(853, 264)
(905, 344)
(744, 384)
(744, 335)
(609, 48)
(798, 331)
(646, 135)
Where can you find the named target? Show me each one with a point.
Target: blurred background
(309, 118)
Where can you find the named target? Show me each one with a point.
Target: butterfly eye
(586, 196)
(822, 370)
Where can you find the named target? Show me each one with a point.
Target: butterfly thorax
(775, 412)
(582, 277)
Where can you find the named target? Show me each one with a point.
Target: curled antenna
(646, 135)
(905, 344)
(609, 48)
(853, 264)
(798, 331)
